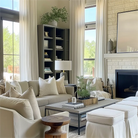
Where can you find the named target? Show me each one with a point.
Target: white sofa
(45, 100)
(13, 125)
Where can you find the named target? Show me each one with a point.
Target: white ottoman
(130, 118)
(105, 123)
(132, 98)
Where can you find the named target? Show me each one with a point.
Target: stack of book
(73, 105)
(74, 119)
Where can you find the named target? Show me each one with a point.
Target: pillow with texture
(47, 87)
(60, 85)
(2, 87)
(96, 82)
(29, 94)
(22, 106)
(14, 85)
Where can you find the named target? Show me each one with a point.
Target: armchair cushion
(22, 106)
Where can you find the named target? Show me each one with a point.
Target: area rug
(73, 133)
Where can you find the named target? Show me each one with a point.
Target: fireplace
(126, 83)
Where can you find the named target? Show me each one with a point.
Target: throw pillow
(29, 94)
(22, 106)
(14, 85)
(47, 87)
(60, 85)
(2, 87)
(96, 82)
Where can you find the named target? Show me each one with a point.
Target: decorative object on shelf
(46, 54)
(46, 43)
(110, 46)
(63, 65)
(54, 16)
(47, 70)
(46, 34)
(59, 47)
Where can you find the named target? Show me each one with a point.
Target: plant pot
(85, 101)
(53, 23)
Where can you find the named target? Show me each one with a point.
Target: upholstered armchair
(13, 125)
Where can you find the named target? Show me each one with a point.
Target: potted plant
(54, 16)
(83, 91)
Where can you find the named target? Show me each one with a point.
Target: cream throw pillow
(29, 94)
(14, 85)
(22, 106)
(60, 85)
(47, 87)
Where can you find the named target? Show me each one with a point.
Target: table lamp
(63, 65)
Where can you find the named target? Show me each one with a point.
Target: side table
(55, 122)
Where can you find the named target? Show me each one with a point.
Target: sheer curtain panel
(101, 38)
(28, 40)
(77, 27)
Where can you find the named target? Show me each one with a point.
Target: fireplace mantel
(121, 55)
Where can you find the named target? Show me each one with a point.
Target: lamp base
(65, 77)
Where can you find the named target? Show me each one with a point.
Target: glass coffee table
(79, 112)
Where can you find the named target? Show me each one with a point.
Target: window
(9, 40)
(90, 41)
(10, 4)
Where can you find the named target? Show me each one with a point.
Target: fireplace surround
(126, 83)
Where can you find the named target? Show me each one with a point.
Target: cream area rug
(73, 133)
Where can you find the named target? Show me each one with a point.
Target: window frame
(90, 26)
(8, 15)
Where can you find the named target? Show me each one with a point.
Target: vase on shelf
(53, 23)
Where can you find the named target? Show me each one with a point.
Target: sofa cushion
(60, 85)
(105, 116)
(35, 85)
(14, 85)
(52, 99)
(29, 94)
(22, 106)
(24, 85)
(47, 87)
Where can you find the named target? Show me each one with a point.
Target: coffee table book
(73, 105)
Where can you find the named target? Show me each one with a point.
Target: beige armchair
(13, 125)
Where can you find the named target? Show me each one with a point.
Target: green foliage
(56, 14)
(8, 48)
(89, 52)
(82, 91)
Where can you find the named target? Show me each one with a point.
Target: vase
(53, 23)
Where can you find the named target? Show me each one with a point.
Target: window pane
(16, 5)
(9, 5)
(16, 38)
(89, 67)
(7, 37)
(6, 4)
(8, 68)
(16, 68)
(90, 41)
(90, 14)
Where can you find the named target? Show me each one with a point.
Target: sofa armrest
(19, 127)
(70, 90)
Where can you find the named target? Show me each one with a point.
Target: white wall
(44, 6)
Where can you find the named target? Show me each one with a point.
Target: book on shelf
(75, 123)
(46, 43)
(58, 37)
(47, 70)
(59, 47)
(47, 59)
(73, 105)
(75, 117)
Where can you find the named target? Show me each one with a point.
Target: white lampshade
(63, 65)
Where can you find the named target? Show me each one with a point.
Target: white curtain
(101, 38)
(77, 24)
(28, 40)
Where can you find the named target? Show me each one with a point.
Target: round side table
(55, 122)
